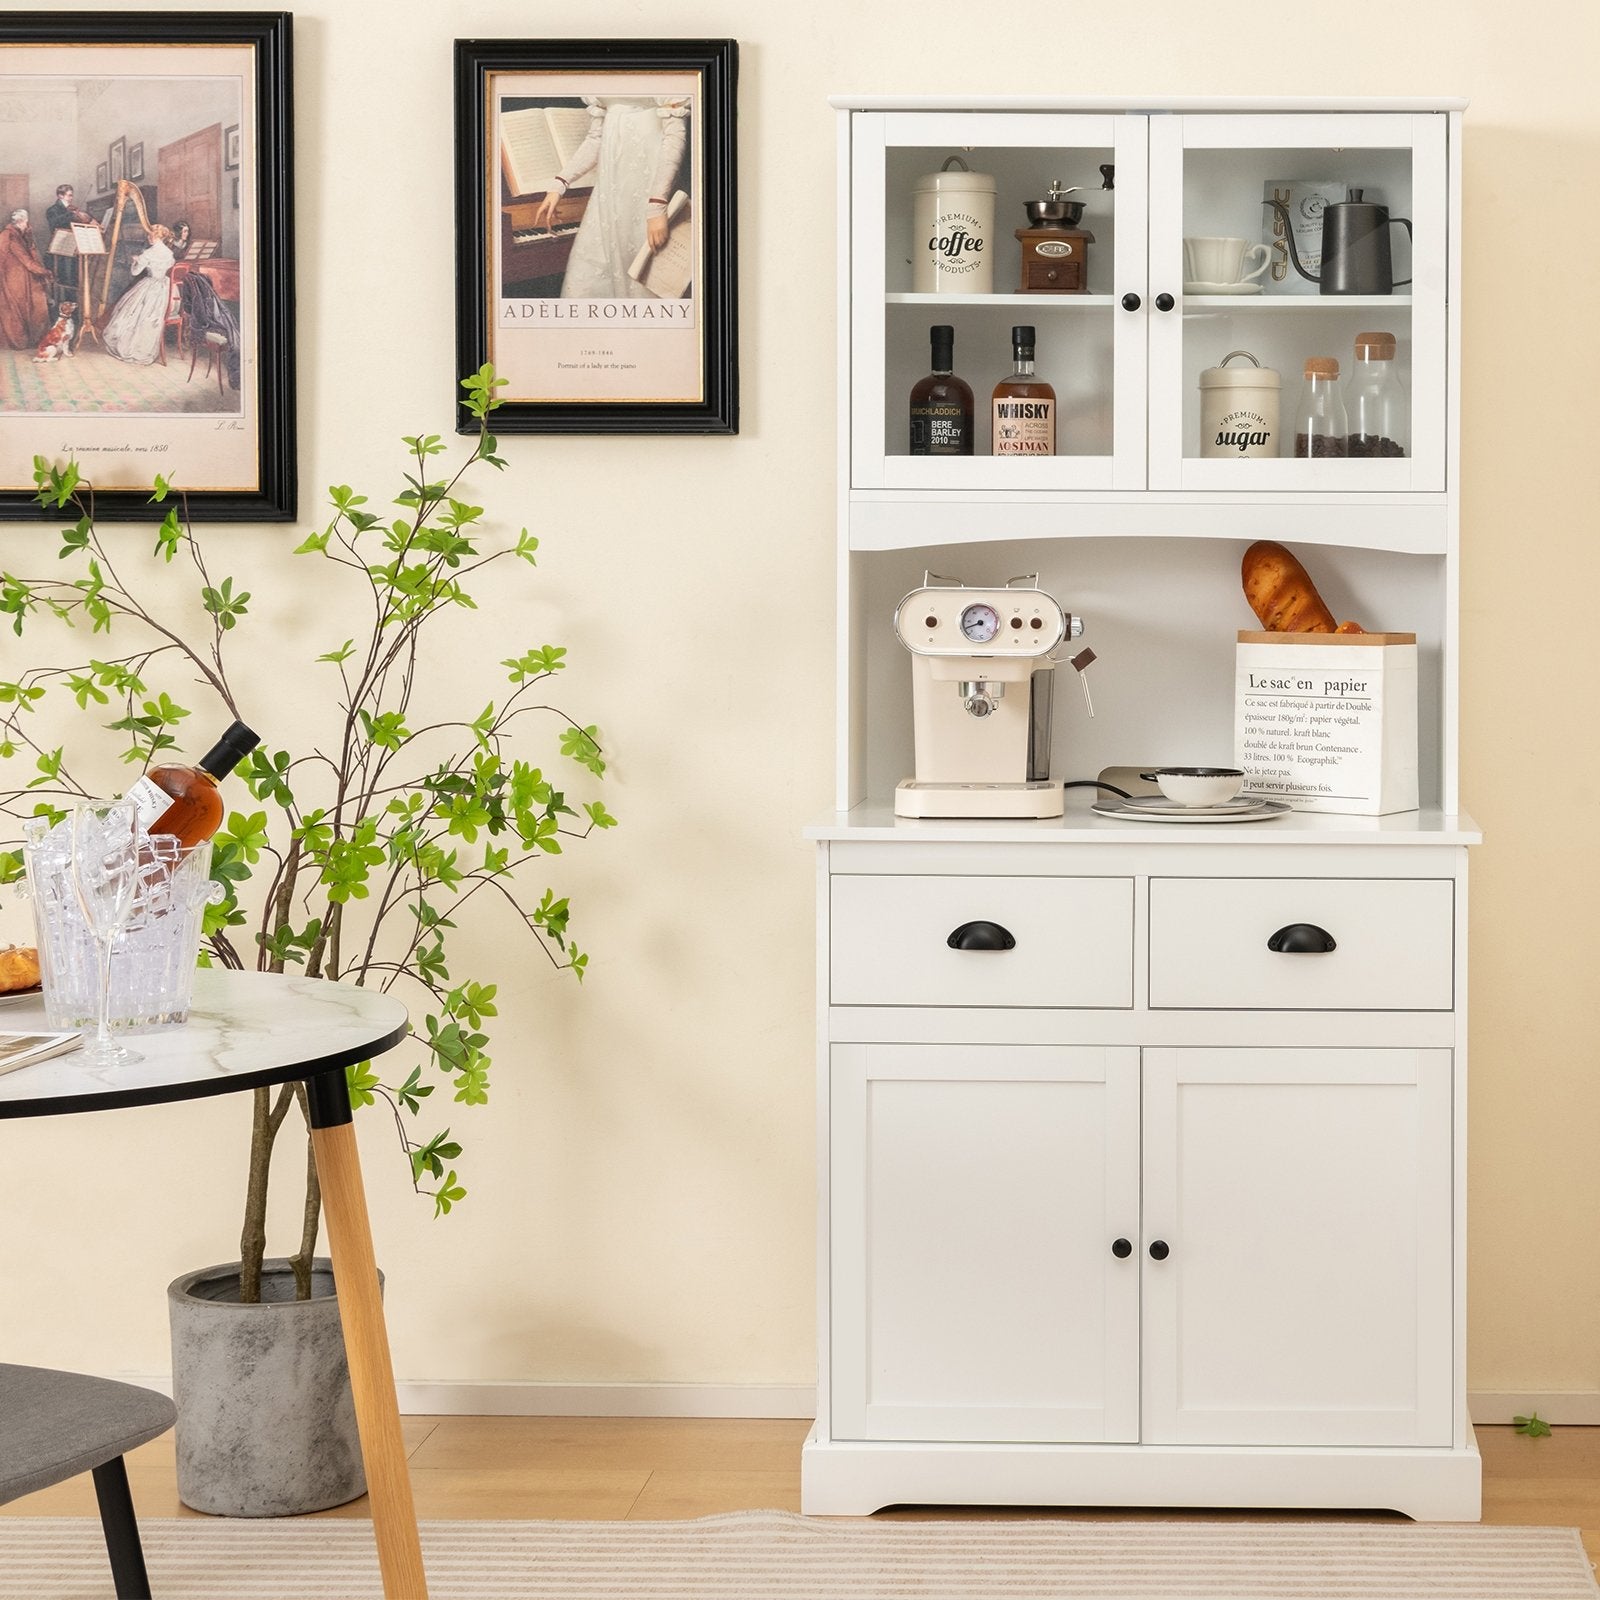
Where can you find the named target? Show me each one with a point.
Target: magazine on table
(23, 1049)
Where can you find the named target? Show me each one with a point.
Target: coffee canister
(1239, 409)
(952, 224)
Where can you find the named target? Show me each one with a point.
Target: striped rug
(773, 1555)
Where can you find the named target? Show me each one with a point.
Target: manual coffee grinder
(982, 683)
(1055, 250)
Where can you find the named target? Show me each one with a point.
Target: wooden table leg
(366, 1340)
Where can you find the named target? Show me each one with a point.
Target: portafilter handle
(1080, 665)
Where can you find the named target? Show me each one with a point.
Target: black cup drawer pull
(1302, 939)
(981, 936)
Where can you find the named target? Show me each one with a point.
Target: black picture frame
(700, 75)
(264, 488)
(230, 148)
(102, 180)
(136, 162)
(117, 160)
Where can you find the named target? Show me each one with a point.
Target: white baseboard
(608, 1399)
(467, 1399)
(1575, 1408)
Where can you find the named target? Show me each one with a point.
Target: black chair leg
(121, 1530)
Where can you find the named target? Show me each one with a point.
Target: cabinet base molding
(852, 1478)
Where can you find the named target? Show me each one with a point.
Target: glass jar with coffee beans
(1375, 400)
(1321, 428)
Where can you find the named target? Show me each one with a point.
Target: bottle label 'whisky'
(149, 801)
(940, 430)
(1024, 427)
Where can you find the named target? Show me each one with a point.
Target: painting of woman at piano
(633, 156)
(596, 259)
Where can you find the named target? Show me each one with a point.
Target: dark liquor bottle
(1024, 406)
(941, 404)
(184, 801)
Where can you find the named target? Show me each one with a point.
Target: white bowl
(1197, 786)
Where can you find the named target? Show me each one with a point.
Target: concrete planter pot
(266, 1423)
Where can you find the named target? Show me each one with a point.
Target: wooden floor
(625, 1467)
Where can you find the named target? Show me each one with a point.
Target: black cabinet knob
(1131, 302)
(1121, 1249)
(1165, 302)
(1159, 1250)
(981, 936)
(1302, 939)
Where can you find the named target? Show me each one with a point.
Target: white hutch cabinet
(1140, 1211)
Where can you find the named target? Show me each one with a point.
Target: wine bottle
(941, 403)
(1024, 406)
(184, 801)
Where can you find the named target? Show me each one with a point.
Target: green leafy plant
(1534, 1427)
(360, 853)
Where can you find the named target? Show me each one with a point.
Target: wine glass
(105, 873)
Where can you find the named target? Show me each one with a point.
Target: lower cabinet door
(976, 1195)
(1303, 1198)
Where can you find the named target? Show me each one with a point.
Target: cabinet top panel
(875, 820)
(1124, 103)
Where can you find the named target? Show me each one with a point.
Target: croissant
(19, 968)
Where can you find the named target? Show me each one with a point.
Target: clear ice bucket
(152, 958)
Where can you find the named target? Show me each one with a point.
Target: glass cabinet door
(1088, 348)
(1255, 290)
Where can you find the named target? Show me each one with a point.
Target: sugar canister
(1239, 409)
(953, 231)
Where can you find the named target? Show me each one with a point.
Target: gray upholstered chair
(54, 1425)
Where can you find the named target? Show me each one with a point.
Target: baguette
(1282, 595)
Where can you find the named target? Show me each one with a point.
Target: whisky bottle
(1024, 406)
(941, 404)
(184, 801)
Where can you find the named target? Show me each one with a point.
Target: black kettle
(1355, 247)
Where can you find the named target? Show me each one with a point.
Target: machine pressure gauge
(980, 623)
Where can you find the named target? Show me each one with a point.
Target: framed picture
(118, 397)
(596, 261)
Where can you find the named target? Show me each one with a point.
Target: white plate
(18, 996)
(1127, 813)
(1222, 288)
(1159, 802)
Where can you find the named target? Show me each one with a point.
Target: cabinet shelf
(1078, 302)
(911, 519)
(1301, 303)
(1190, 302)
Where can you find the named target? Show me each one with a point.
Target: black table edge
(203, 1088)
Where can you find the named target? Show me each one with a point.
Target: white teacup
(1222, 260)
(1197, 786)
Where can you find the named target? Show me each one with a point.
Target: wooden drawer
(1394, 944)
(890, 941)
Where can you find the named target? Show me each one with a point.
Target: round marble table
(247, 1030)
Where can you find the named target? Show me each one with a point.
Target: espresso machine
(982, 679)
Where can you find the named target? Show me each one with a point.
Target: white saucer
(18, 997)
(1121, 810)
(1159, 803)
(1222, 288)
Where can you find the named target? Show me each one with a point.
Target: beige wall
(642, 1191)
